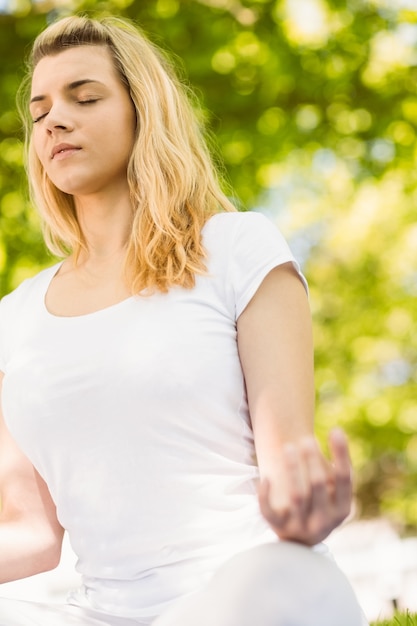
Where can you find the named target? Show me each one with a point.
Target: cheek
(128, 132)
(37, 148)
(131, 125)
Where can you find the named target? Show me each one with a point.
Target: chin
(72, 189)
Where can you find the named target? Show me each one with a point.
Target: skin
(302, 495)
(74, 100)
(30, 534)
(98, 118)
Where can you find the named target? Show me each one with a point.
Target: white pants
(279, 584)
(21, 613)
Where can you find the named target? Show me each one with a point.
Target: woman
(143, 372)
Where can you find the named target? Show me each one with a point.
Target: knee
(284, 584)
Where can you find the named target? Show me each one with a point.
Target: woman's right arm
(30, 534)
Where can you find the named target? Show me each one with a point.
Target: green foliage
(21, 249)
(401, 619)
(313, 105)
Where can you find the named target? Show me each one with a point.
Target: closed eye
(89, 101)
(39, 118)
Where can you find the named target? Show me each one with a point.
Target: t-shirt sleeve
(258, 247)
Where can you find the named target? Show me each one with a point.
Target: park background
(312, 107)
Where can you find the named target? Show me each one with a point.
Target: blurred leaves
(313, 104)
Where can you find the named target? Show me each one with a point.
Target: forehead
(93, 62)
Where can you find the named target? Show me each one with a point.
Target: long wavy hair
(174, 185)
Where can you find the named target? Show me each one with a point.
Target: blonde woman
(157, 382)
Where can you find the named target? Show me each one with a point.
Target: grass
(400, 619)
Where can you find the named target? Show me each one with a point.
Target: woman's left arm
(302, 495)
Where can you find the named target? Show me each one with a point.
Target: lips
(64, 149)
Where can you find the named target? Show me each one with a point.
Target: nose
(58, 118)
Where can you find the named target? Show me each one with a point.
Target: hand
(311, 496)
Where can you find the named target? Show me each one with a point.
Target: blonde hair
(173, 183)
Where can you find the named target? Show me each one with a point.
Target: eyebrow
(70, 87)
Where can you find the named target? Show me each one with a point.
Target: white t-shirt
(136, 417)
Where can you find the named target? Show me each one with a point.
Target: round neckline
(54, 269)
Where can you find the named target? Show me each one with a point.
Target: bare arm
(302, 495)
(30, 534)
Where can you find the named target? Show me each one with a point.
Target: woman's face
(84, 121)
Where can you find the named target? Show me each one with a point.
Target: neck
(106, 225)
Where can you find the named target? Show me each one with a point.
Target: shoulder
(231, 223)
(242, 248)
(245, 235)
(18, 308)
(33, 287)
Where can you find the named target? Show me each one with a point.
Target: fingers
(340, 452)
(342, 469)
(277, 515)
(318, 474)
(290, 493)
(297, 478)
(310, 496)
